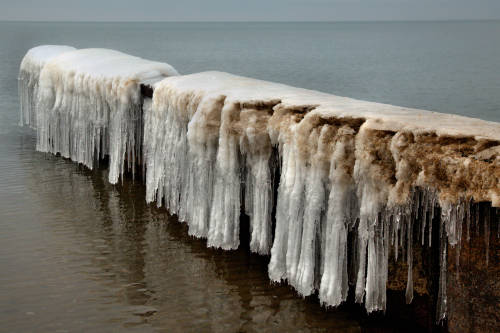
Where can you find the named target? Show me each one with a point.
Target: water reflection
(86, 255)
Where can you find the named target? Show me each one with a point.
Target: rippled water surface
(77, 254)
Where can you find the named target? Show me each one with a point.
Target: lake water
(77, 254)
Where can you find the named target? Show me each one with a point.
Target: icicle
(361, 250)
(397, 222)
(334, 282)
(443, 268)
(295, 214)
(373, 192)
(384, 262)
(409, 260)
(314, 205)
(448, 218)
(431, 220)
(278, 263)
(425, 206)
(487, 233)
(402, 235)
(203, 137)
(225, 213)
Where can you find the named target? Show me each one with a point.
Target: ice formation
(29, 74)
(88, 105)
(333, 187)
(378, 172)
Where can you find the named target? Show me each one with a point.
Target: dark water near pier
(77, 254)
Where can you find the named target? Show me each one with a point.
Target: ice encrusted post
(86, 103)
(359, 181)
(363, 190)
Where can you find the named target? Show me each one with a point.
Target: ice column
(334, 281)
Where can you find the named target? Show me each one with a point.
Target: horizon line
(254, 21)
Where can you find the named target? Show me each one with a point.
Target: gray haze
(247, 10)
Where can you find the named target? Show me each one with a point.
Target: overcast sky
(247, 10)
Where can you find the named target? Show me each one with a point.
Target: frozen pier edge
(86, 103)
(343, 194)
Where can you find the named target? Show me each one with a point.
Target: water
(77, 254)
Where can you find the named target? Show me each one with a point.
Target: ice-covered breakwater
(346, 166)
(86, 103)
(335, 188)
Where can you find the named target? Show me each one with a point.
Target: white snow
(89, 105)
(29, 74)
(345, 165)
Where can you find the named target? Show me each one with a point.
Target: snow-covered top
(36, 57)
(238, 89)
(104, 63)
(99, 73)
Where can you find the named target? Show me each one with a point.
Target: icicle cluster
(29, 74)
(208, 143)
(202, 151)
(88, 105)
(358, 181)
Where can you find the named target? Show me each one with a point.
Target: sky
(247, 10)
